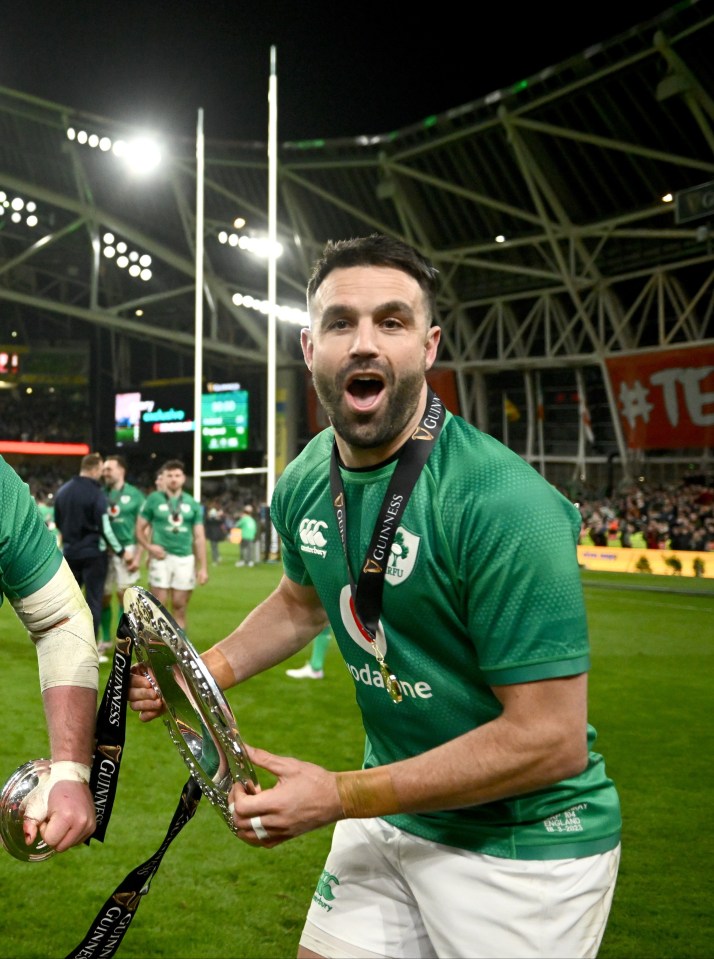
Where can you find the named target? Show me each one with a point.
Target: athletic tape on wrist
(366, 793)
(64, 770)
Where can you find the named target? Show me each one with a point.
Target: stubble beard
(370, 430)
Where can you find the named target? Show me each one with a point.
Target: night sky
(343, 69)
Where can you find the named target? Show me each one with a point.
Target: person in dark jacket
(81, 515)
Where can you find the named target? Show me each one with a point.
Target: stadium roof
(540, 204)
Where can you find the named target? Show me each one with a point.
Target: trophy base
(12, 805)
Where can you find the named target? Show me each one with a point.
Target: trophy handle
(12, 812)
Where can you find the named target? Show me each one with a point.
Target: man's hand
(144, 696)
(304, 797)
(61, 811)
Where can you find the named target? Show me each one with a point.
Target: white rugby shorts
(173, 572)
(386, 893)
(118, 576)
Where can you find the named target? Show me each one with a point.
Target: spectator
(216, 528)
(248, 532)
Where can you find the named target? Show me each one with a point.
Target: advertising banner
(665, 399)
(658, 562)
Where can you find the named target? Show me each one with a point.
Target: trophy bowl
(12, 812)
(199, 720)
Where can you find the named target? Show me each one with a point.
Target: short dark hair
(173, 465)
(118, 458)
(90, 462)
(376, 250)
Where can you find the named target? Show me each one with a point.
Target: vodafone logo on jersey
(348, 619)
(368, 674)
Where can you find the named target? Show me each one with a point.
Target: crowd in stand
(676, 517)
(44, 416)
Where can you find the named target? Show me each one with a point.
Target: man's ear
(306, 344)
(431, 347)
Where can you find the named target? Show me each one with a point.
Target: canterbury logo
(311, 532)
(371, 566)
(422, 434)
(324, 885)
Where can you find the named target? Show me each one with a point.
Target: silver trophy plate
(198, 717)
(12, 812)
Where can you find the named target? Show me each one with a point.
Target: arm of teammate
(538, 739)
(133, 557)
(144, 539)
(282, 624)
(60, 624)
(199, 551)
(110, 536)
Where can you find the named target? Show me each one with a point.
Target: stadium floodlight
(287, 314)
(19, 209)
(261, 246)
(142, 154)
(137, 263)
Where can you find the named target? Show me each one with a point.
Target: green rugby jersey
(482, 588)
(172, 520)
(124, 506)
(29, 555)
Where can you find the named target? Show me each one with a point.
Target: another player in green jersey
(41, 588)
(170, 528)
(125, 501)
(483, 823)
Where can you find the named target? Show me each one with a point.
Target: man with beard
(170, 528)
(124, 501)
(482, 822)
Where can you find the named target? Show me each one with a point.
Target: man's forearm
(538, 740)
(274, 630)
(70, 712)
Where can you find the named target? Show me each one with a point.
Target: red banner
(665, 399)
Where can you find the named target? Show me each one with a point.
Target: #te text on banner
(665, 399)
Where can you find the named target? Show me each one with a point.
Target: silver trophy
(12, 812)
(198, 717)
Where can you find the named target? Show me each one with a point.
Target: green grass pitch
(213, 896)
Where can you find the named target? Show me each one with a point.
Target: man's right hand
(144, 697)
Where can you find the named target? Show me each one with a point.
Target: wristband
(366, 793)
(64, 770)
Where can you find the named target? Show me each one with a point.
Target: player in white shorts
(483, 822)
(170, 527)
(452, 902)
(124, 501)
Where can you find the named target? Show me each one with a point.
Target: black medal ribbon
(367, 592)
(112, 921)
(111, 731)
(106, 932)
